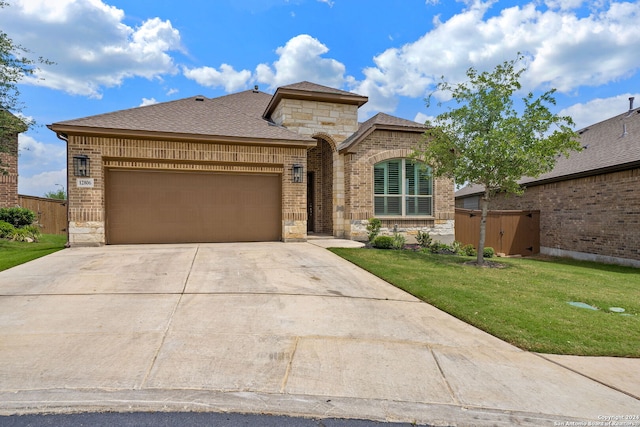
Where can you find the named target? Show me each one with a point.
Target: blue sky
(117, 54)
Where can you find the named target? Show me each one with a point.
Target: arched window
(402, 187)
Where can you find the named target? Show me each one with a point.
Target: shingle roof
(232, 116)
(314, 87)
(613, 144)
(379, 121)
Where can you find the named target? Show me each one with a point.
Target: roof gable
(313, 92)
(380, 121)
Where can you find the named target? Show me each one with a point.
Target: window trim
(403, 195)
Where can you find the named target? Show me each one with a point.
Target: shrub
(468, 250)
(383, 242)
(423, 238)
(488, 252)
(6, 229)
(374, 228)
(18, 217)
(398, 241)
(441, 248)
(30, 232)
(456, 247)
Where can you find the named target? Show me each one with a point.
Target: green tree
(14, 66)
(59, 194)
(485, 141)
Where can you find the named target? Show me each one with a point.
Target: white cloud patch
(599, 109)
(44, 182)
(148, 101)
(564, 50)
(301, 59)
(226, 77)
(34, 159)
(91, 47)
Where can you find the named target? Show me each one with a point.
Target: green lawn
(525, 303)
(16, 253)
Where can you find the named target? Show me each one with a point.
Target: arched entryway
(320, 188)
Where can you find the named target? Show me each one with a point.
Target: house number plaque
(85, 182)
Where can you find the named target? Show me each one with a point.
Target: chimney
(255, 89)
(631, 98)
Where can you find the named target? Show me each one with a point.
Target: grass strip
(16, 253)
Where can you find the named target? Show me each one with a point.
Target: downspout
(64, 137)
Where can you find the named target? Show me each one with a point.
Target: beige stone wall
(310, 118)
(87, 205)
(9, 164)
(594, 215)
(379, 146)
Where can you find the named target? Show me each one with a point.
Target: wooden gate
(51, 213)
(508, 232)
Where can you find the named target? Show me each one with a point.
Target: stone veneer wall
(597, 215)
(379, 146)
(9, 163)
(334, 123)
(87, 205)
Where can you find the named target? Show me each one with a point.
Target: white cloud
(301, 59)
(226, 77)
(599, 109)
(40, 166)
(565, 51)
(91, 47)
(36, 156)
(330, 3)
(148, 101)
(38, 185)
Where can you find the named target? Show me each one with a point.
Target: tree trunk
(484, 204)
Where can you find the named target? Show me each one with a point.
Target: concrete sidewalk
(271, 328)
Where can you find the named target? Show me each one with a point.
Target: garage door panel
(173, 207)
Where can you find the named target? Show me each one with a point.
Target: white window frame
(403, 195)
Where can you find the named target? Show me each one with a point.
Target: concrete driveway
(271, 328)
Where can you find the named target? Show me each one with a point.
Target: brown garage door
(176, 207)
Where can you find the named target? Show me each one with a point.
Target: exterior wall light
(297, 172)
(81, 165)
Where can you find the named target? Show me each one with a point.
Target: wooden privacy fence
(508, 232)
(51, 213)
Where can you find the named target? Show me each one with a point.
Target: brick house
(9, 159)
(590, 202)
(249, 166)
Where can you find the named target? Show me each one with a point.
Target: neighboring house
(590, 202)
(9, 158)
(248, 166)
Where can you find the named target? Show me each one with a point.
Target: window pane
(394, 205)
(424, 206)
(393, 177)
(388, 205)
(378, 178)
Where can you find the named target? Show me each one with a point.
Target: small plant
(18, 217)
(398, 241)
(374, 228)
(441, 248)
(468, 250)
(6, 229)
(30, 233)
(423, 238)
(383, 242)
(456, 247)
(488, 252)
